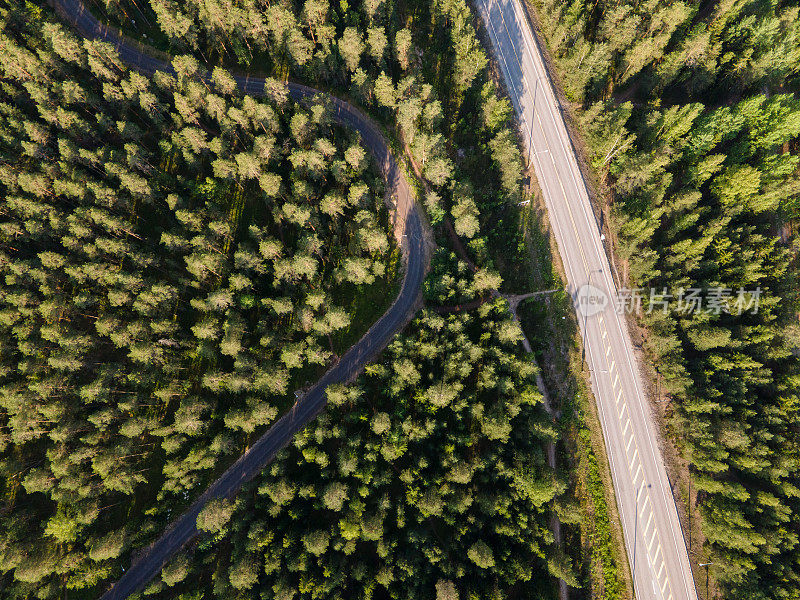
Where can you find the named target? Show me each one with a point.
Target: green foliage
(176, 570)
(602, 542)
(465, 213)
(170, 273)
(506, 155)
(481, 555)
(215, 516)
(672, 48)
(702, 165)
(391, 492)
(722, 365)
(448, 282)
(231, 226)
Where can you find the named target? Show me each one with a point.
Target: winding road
(653, 536)
(415, 256)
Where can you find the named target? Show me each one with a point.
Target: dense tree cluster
(441, 100)
(705, 196)
(175, 254)
(172, 258)
(426, 478)
(702, 215)
(673, 49)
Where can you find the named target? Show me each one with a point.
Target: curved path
(407, 219)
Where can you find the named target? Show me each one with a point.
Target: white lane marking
(529, 126)
(571, 157)
(635, 456)
(561, 135)
(650, 520)
(636, 477)
(613, 365)
(628, 424)
(628, 447)
(630, 464)
(650, 545)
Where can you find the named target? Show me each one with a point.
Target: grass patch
(366, 303)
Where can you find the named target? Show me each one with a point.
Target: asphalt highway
(184, 529)
(653, 537)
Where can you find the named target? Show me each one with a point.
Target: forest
(425, 478)
(174, 263)
(692, 121)
(179, 259)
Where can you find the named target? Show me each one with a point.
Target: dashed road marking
(630, 465)
(519, 101)
(639, 470)
(634, 457)
(650, 545)
(650, 520)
